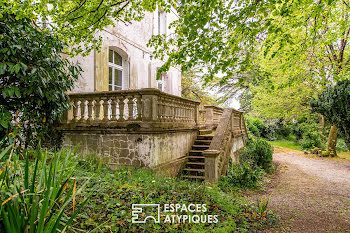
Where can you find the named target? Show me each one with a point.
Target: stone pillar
(209, 116)
(196, 114)
(149, 108)
(211, 165)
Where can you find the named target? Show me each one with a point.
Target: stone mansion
(125, 62)
(122, 113)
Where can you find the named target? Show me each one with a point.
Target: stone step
(195, 152)
(194, 169)
(195, 163)
(195, 157)
(193, 177)
(205, 137)
(202, 142)
(205, 132)
(200, 147)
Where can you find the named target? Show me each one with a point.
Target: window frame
(115, 67)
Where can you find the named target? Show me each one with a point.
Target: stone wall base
(163, 151)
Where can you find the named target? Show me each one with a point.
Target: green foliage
(35, 196)
(224, 36)
(311, 136)
(77, 22)
(34, 79)
(258, 151)
(113, 193)
(255, 126)
(286, 143)
(334, 104)
(192, 88)
(341, 145)
(243, 175)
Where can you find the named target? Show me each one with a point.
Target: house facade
(122, 113)
(125, 62)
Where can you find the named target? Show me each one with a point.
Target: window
(115, 68)
(161, 22)
(162, 82)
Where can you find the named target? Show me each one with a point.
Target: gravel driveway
(309, 194)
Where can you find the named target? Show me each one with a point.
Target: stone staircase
(195, 166)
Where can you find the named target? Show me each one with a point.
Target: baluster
(90, 109)
(105, 109)
(97, 109)
(75, 110)
(82, 110)
(130, 107)
(139, 107)
(172, 112)
(164, 110)
(176, 111)
(160, 109)
(121, 108)
(114, 108)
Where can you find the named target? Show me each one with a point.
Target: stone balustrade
(210, 115)
(143, 108)
(229, 138)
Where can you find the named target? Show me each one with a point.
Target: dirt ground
(308, 194)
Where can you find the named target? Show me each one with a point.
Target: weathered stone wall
(164, 151)
(238, 144)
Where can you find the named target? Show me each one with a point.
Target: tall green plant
(34, 79)
(35, 197)
(334, 104)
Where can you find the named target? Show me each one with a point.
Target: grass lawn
(285, 144)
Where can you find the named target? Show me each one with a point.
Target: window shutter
(126, 78)
(101, 69)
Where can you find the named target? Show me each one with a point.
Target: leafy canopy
(78, 22)
(221, 37)
(34, 79)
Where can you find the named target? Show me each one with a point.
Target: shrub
(244, 175)
(341, 145)
(311, 136)
(259, 151)
(255, 126)
(269, 131)
(283, 130)
(34, 79)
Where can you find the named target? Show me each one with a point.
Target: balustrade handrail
(231, 124)
(214, 107)
(148, 107)
(143, 91)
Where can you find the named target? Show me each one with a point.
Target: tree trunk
(321, 123)
(332, 141)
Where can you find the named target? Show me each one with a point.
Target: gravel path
(309, 194)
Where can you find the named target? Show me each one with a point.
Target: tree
(222, 37)
(34, 79)
(192, 88)
(78, 22)
(334, 104)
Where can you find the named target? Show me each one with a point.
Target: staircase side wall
(238, 145)
(164, 151)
